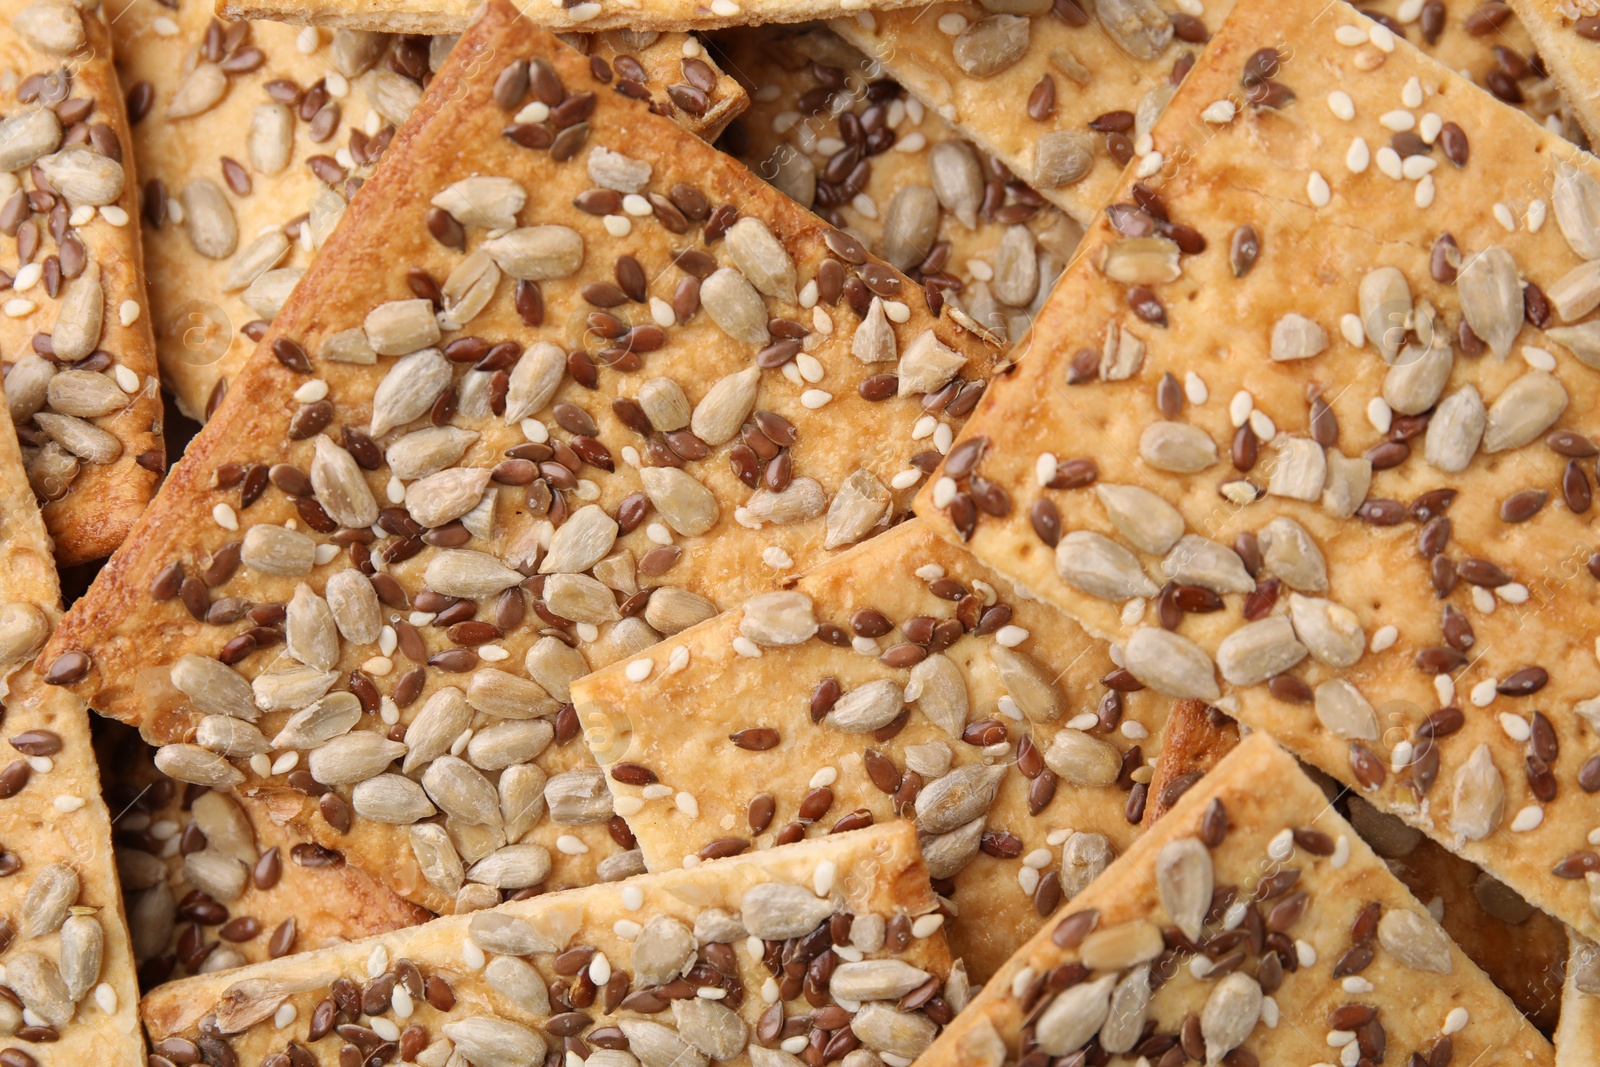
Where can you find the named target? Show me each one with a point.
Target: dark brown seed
(336, 812)
(1042, 99)
(1388, 454)
(1041, 791)
(1453, 140)
(1244, 450)
(1290, 689)
(1523, 682)
(1366, 766)
(1243, 250)
(1524, 505)
(1381, 512)
(1442, 573)
(1575, 488)
(1434, 537)
(1457, 629)
(1440, 659)
(756, 739)
(759, 814)
(1589, 775)
(1577, 864)
(1445, 260)
(1214, 823)
(268, 869)
(1070, 932)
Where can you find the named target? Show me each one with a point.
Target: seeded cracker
(502, 565)
(63, 941)
(871, 159)
(1568, 35)
(1579, 1032)
(1408, 544)
(1313, 952)
(902, 678)
(79, 362)
(1196, 738)
(212, 882)
(251, 137)
(667, 969)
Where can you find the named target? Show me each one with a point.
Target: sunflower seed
(1416, 942)
(1491, 298)
(1177, 446)
(256, 259)
(1029, 684)
(1016, 266)
(1385, 303)
(1455, 430)
(437, 858)
(1184, 880)
(200, 90)
(684, 504)
(521, 789)
(434, 729)
(82, 949)
(1301, 470)
(927, 364)
(1417, 377)
(53, 892)
(1289, 553)
(83, 176)
(726, 405)
(347, 346)
(1195, 560)
(777, 911)
(775, 619)
(802, 500)
(1576, 198)
(874, 340)
(228, 736)
(1082, 760)
(270, 290)
(658, 1046)
(1524, 409)
(400, 327)
(490, 1042)
(861, 503)
(867, 707)
(472, 575)
(991, 45)
(407, 391)
(483, 200)
(152, 917)
(394, 97)
(310, 634)
(581, 542)
(957, 179)
(428, 451)
(1101, 567)
(735, 306)
(580, 598)
(1478, 797)
(1258, 650)
(1130, 1002)
(1582, 340)
(390, 798)
(505, 696)
(578, 797)
(352, 758)
(214, 688)
(664, 404)
(208, 219)
(911, 225)
(193, 764)
(555, 665)
(23, 630)
(26, 137)
(340, 485)
(355, 606)
(270, 143)
(948, 854)
(1296, 337)
(50, 26)
(219, 876)
(957, 798)
(518, 982)
(512, 867)
(28, 386)
(1074, 1016)
(461, 792)
(468, 288)
(941, 692)
(1330, 631)
(1062, 157)
(1170, 663)
(1576, 293)
(448, 495)
(499, 746)
(791, 173)
(761, 258)
(273, 549)
(325, 718)
(87, 442)
(537, 253)
(1140, 27)
(664, 950)
(888, 1031)
(1231, 1012)
(36, 981)
(226, 827)
(1145, 519)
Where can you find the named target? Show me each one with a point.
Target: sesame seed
(777, 558)
(896, 311)
(916, 141)
(824, 778)
(1381, 37)
(634, 204)
(285, 1015)
(1352, 330)
(1234, 915)
(471, 955)
(686, 803)
(1038, 859)
(326, 553)
(626, 806)
(1424, 194)
(1199, 967)
(906, 479)
(164, 26)
(952, 23)
(27, 277)
(1134, 730)
(66, 803)
(1317, 189)
(1011, 636)
(1411, 92)
(127, 377)
(1390, 164)
(1341, 105)
(1008, 708)
(1515, 727)
(618, 225)
(863, 203)
(395, 490)
(1057, 837)
(639, 670)
(538, 111)
(459, 745)
(1356, 984)
(1086, 720)
(1502, 215)
(1340, 1038)
(1428, 128)
(1539, 358)
(105, 998)
(1536, 215)
(1358, 156)
(1263, 425)
(655, 791)
(822, 878)
(1219, 112)
(1240, 407)
(128, 313)
(1417, 167)
(1381, 416)
(810, 367)
(1483, 600)
(587, 632)
(724, 8)
(1400, 758)
(1384, 638)
(314, 390)
(944, 435)
(1444, 687)
(812, 399)
(81, 215)
(41, 764)
(492, 653)
(1149, 164)
(926, 925)
(1455, 1021)
(1398, 120)
(385, 1028)
(746, 647)
(691, 861)
(224, 516)
(1527, 819)
(658, 533)
(307, 40)
(1512, 593)
(569, 845)
(286, 763)
(944, 491)
(1281, 847)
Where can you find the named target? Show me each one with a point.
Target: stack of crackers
(646, 532)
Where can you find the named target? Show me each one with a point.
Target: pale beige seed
(580, 542)
(214, 687)
(340, 485)
(1196, 560)
(51, 471)
(1348, 482)
(51, 894)
(503, 744)
(948, 854)
(208, 219)
(1083, 858)
(886, 979)
(578, 797)
(1130, 1002)
(352, 758)
(1576, 199)
(219, 876)
(225, 825)
(860, 505)
(776, 619)
(428, 451)
(537, 253)
(660, 1046)
(1231, 1013)
(618, 571)
(448, 495)
(1415, 941)
(325, 718)
(683, 502)
(534, 380)
(490, 1042)
(939, 690)
(473, 841)
(1343, 711)
(1259, 650)
(79, 321)
(926, 364)
(1030, 685)
(505, 696)
(517, 981)
(355, 51)
(83, 176)
(84, 394)
(1171, 663)
(1116, 947)
(1016, 267)
(991, 45)
(273, 549)
(468, 288)
(256, 259)
(27, 136)
(1147, 521)
(1524, 409)
(762, 259)
(884, 1029)
(1062, 157)
(394, 97)
(1100, 567)
(152, 918)
(867, 707)
(1576, 293)
(1082, 760)
(1184, 880)
(198, 766)
(408, 390)
(672, 610)
(521, 789)
(512, 867)
(310, 634)
(483, 200)
(270, 143)
(390, 798)
(1491, 298)
(874, 340)
(735, 306)
(461, 791)
(1418, 376)
(200, 90)
(580, 598)
(354, 604)
(38, 984)
(801, 500)
(1177, 447)
(1330, 631)
(230, 737)
(270, 290)
(555, 665)
(664, 404)
(138, 870)
(1301, 470)
(613, 170)
(664, 950)
(1140, 27)
(777, 911)
(1384, 299)
(51, 26)
(434, 729)
(84, 440)
(725, 406)
(347, 346)
(28, 386)
(437, 858)
(82, 950)
(23, 630)
(1478, 796)
(1289, 553)
(400, 327)
(957, 179)
(957, 798)
(910, 227)
(710, 1027)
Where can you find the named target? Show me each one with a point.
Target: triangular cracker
(1437, 572)
(80, 363)
(235, 125)
(983, 715)
(1568, 35)
(1250, 923)
(834, 943)
(517, 405)
(212, 882)
(63, 942)
(863, 154)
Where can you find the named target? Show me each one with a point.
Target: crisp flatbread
(1579, 1032)
(412, 554)
(1567, 33)
(252, 136)
(1249, 923)
(945, 697)
(79, 361)
(831, 944)
(1353, 455)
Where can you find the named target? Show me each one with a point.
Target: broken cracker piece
(1567, 33)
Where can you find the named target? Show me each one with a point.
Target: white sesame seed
(459, 745)
(1010, 636)
(384, 1028)
(127, 378)
(1234, 915)
(812, 399)
(1028, 879)
(1536, 215)
(944, 435)
(1390, 163)
(1381, 37)
(944, 491)
(1307, 953)
(634, 204)
(1411, 92)
(164, 26)
(492, 653)
(626, 806)
(924, 427)
(326, 553)
(746, 647)
(639, 670)
(776, 558)
(951, 23)
(1400, 758)
(1429, 126)
(1341, 105)
(587, 11)
(1358, 156)
(1350, 36)
(1263, 425)
(285, 763)
(471, 955)
(27, 277)
(1317, 189)
(1199, 967)
(1417, 167)
(926, 925)
(377, 961)
(1515, 727)
(980, 270)
(1134, 730)
(1444, 687)
(822, 878)
(66, 803)
(538, 111)
(1503, 215)
(896, 311)
(809, 367)
(41, 764)
(81, 215)
(285, 1015)
(1527, 819)
(163, 829)
(1351, 329)
(824, 777)
(420, 618)
(1356, 984)
(915, 141)
(1483, 693)
(1539, 358)
(307, 40)
(1340, 1038)
(535, 431)
(1219, 112)
(686, 803)
(1381, 416)
(1149, 164)
(1424, 194)
(829, 145)
(1281, 847)
(865, 645)
(1085, 720)
(1384, 637)
(587, 632)
(1512, 593)
(821, 321)
(1483, 600)
(905, 479)
(128, 313)
(658, 533)
(224, 516)
(1455, 1021)
(864, 205)
(618, 225)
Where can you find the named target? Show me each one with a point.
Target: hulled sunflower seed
(672, 610)
(1101, 567)
(355, 606)
(325, 718)
(23, 630)
(38, 984)
(613, 170)
(1170, 663)
(256, 258)
(407, 391)
(1296, 337)
(1074, 1016)
(664, 404)
(1576, 199)
(791, 173)
(82, 439)
(437, 858)
(958, 797)
(777, 911)
(555, 665)
(1130, 1002)
(273, 549)
(726, 405)
(499, 746)
(448, 495)
(51, 26)
(468, 288)
(472, 575)
(213, 687)
(761, 258)
(230, 737)
(152, 917)
(1177, 446)
(1330, 631)
(1344, 712)
(1417, 377)
(1524, 409)
(1416, 942)
(521, 789)
(888, 1031)
(53, 892)
(534, 380)
(659, 1046)
(581, 542)
(867, 707)
(267, 294)
(1231, 1012)
(79, 320)
(512, 867)
(874, 340)
(1455, 430)
(28, 386)
(578, 797)
(434, 729)
(340, 485)
(496, 932)
(991, 45)
(270, 142)
(1576, 293)
(911, 225)
(664, 950)
(490, 1042)
(51, 471)
(927, 364)
(82, 950)
(226, 827)
(347, 346)
(803, 499)
(939, 689)
(390, 798)
(200, 90)
(28, 136)
(1478, 796)
(1491, 298)
(1301, 470)
(776, 619)
(1289, 553)
(84, 394)
(1145, 519)
(198, 766)
(208, 219)
(461, 791)
(861, 503)
(683, 503)
(580, 598)
(957, 179)
(1258, 650)
(310, 634)
(400, 327)
(538, 253)
(483, 200)
(1196, 560)
(1184, 881)
(352, 758)
(1582, 340)
(1029, 684)
(219, 876)
(394, 97)
(83, 176)
(710, 1027)
(428, 451)
(735, 306)
(947, 855)
(1385, 303)
(517, 981)
(1081, 760)
(505, 696)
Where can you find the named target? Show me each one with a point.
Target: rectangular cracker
(247, 106)
(54, 827)
(1062, 800)
(992, 246)
(92, 439)
(1270, 171)
(1334, 952)
(565, 970)
(293, 897)
(722, 554)
(1567, 33)
(1579, 1032)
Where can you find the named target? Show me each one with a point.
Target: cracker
(707, 544)
(1568, 36)
(992, 247)
(1311, 947)
(88, 410)
(295, 898)
(566, 968)
(1207, 380)
(1197, 737)
(703, 728)
(261, 109)
(57, 853)
(1579, 1031)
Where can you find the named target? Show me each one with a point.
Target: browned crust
(1196, 739)
(1573, 62)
